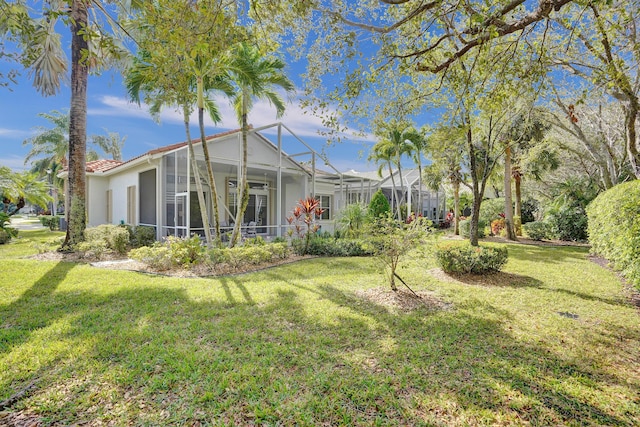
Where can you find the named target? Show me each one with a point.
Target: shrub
(335, 247)
(6, 232)
(497, 226)
(52, 222)
(568, 223)
(157, 256)
(529, 209)
(352, 218)
(517, 225)
(379, 205)
(240, 256)
(186, 252)
(391, 240)
(106, 237)
(614, 228)
(457, 258)
(537, 230)
(142, 235)
(465, 225)
(491, 209)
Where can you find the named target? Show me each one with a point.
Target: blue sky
(109, 108)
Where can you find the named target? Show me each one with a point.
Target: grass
(551, 341)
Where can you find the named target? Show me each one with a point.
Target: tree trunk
(77, 219)
(207, 159)
(508, 202)
(243, 185)
(631, 116)
(517, 178)
(196, 176)
(475, 212)
(456, 207)
(393, 193)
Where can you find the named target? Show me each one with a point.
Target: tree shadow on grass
(496, 279)
(18, 318)
(162, 357)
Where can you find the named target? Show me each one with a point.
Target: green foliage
(303, 220)
(498, 226)
(529, 208)
(6, 232)
(490, 209)
(51, 221)
(249, 254)
(465, 226)
(379, 205)
(614, 228)
(568, 223)
(351, 219)
(142, 235)
(158, 256)
(335, 247)
(391, 240)
(537, 230)
(517, 225)
(464, 258)
(105, 238)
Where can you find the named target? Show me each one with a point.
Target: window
(325, 203)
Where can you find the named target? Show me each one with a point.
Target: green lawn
(553, 342)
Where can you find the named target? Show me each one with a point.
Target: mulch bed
(403, 300)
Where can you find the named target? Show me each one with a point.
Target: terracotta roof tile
(102, 165)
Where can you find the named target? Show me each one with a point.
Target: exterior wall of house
(97, 187)
(119, 185)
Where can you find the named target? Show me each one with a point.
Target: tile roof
(102, 165)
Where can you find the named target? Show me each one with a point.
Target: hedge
(614, 228)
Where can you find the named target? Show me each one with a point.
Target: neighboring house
(158, 188)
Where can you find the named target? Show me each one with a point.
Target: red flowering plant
(303, 220)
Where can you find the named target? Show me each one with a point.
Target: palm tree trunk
(393, 192)
(508, 200)
(196, 176)
(207, 159)
(243, 185)
(77, 219)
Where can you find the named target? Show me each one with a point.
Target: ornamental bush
(142, 235)
(568, 223)
(614, 228)
(379, 205)
(465, 225)
(52, 222)
(335, 247)
(464, 258)
(497, 226)
(537, 230)
(105, 238)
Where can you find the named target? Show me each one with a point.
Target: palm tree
(43, 54)
(146, 76)
(24, 187)
(256, 77)
(416, 148)
(397, 140)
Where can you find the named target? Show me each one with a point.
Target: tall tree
(446, 148)
(257, 77)
(191, 60)
(43, 56)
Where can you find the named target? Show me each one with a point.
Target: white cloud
(263, 113)
(13, 162)
(16, 133)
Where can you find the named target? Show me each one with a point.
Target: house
(158, 188)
